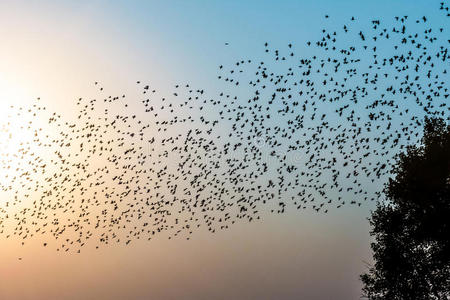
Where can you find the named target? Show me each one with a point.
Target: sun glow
(12, 94)
(14, 102)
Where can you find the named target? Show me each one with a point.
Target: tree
(411, 228)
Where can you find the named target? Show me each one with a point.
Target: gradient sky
(55, 50)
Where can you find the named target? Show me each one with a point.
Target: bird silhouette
(310, 132)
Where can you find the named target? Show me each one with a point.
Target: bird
(307, 132)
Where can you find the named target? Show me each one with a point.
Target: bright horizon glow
(10, 95)
(57, 50)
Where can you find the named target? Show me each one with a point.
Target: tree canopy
(411, 228)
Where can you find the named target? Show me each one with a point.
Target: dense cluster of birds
(311, 132)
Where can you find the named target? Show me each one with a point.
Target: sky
(56, 50)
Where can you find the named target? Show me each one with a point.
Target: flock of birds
(312, 132)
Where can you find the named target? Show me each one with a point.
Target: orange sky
(57, 51)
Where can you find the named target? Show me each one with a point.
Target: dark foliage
(412, 228)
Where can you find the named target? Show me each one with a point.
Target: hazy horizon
(58, 50)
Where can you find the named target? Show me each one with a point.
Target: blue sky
(57, 49)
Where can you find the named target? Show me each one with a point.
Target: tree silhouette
(412, 227)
